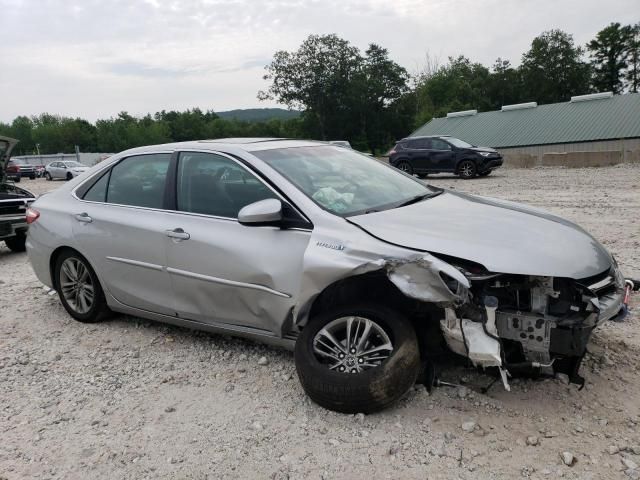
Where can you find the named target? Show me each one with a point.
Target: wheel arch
(53, 258)
(376, 288)
(463, 159)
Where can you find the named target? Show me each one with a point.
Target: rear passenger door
(420, 154)
(121, 226)
(223, 272)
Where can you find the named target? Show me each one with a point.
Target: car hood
(483, 149)
(504, 237)
(6, 145)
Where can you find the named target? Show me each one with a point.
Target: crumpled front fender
(418, 275)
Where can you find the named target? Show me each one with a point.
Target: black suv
(435, 154)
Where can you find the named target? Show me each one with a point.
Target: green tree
(316, 78)
(633, 48)
(505, 84)
(377, 88)
(552, 70)
(458, 85)
(609, 51)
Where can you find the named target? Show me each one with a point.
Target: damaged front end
(531, 324)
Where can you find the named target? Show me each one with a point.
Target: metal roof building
(599, 122)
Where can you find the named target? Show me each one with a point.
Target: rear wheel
(79, 289)
(405, 167)
(17, 180)
(69, 176)
(467, 169)
(360, 358)
(17, 243)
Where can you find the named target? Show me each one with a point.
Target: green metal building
(600, 122)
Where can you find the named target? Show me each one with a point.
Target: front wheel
(47, 176)
(79, 289)
(467, 169)
(356, 359)
(69, 176)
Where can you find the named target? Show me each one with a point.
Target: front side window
(459, 143)
(73, 164)
(139, 181)
(343, 181)
(215, 185)
(438, 144)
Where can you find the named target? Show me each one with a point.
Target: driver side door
(223, 272)
(442, 155)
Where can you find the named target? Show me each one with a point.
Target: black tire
(370, 390)
(47, 176)
(17, 180)
(17, 243)
(423, 175)
(99, 309)
(467, 169)
(405, 167)
(32, 177)
(69, 176)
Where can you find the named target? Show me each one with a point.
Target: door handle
(178, 234)
(83, 217)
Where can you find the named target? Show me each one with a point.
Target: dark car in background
(436, 154)
(14, 201)
(18, 168)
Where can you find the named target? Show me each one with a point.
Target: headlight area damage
(531, 324)
(518, 324)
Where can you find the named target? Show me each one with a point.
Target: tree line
(365, 97)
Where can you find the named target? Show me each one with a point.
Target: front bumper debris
(542, 325)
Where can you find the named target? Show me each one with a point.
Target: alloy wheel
(467, 169)
(76, 285)
(352, 345)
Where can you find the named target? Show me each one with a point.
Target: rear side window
(98, 192)
(422, 144)
(139, 181)
(211, 184)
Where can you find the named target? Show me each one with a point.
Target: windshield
(458, 143)
(73, 164)
(343, 181)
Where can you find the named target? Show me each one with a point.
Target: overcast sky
(95, 58)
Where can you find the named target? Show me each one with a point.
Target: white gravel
(134, 399)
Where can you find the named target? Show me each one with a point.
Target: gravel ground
(134, 399)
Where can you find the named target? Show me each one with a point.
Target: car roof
(418, 137)
(246, 144)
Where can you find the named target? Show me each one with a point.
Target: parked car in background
(18, 168)
(363, 270)
(437, 154)
(13, 202)
(67, 170)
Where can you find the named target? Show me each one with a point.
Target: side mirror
(261, 213)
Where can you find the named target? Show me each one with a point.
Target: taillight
(392, 151)
(13, 169)
(32, 215)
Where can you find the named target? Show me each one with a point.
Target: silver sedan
(362, 269)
